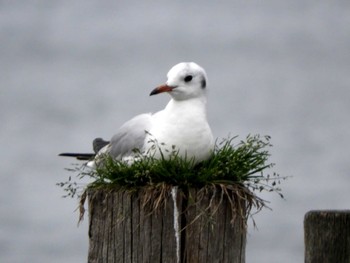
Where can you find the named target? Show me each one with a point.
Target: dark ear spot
(203, 83)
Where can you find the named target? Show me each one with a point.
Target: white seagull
(181, 126)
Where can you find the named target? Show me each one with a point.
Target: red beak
(160, 89)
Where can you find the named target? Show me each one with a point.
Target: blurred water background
(75, 70)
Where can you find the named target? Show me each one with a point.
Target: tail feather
(98, 144)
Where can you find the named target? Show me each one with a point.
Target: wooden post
(327, 236)
(139, 227)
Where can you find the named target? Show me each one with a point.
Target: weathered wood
(327, 236)
(125, 228)
(213, 238)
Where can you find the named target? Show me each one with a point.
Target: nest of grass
(236, 171)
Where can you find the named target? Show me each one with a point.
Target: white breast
(183, 125)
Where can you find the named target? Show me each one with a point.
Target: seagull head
(186, 80)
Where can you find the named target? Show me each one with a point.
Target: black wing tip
(98, 144)
(79, 156)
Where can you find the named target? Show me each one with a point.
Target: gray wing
(130, 136)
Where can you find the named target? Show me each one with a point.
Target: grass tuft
(241, 166)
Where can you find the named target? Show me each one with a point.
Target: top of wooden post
(327, 236)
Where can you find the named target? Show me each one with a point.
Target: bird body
(181, 126)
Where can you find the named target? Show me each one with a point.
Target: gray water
(75, 70)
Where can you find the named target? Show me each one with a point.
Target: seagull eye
(188, 78)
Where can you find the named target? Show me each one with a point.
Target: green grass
(245, 163)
